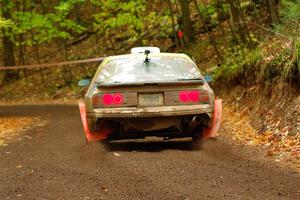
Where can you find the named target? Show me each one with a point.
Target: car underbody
(167, 127)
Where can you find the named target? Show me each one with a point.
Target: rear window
(159, 69)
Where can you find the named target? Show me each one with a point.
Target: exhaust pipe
(194, 123)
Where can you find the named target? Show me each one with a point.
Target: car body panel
(89, 135)
(125, 112)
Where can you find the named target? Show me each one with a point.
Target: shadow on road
(152, 145)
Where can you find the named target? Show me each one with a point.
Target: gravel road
(55, 163)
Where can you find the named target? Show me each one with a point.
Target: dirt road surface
(55, 163)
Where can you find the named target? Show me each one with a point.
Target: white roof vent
(138, 50)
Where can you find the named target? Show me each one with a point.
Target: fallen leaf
(28, 137)
(103, 189)
(116, 154)
(270, 153)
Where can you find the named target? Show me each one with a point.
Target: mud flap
(92, 136)
(216, 121)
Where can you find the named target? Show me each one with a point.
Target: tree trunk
(271, 9)
(220, 16)
(173, 24)
(238, 21)
(186, 21)
(210, 34)
(22, 49)
(8, 45)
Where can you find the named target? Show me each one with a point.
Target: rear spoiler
(190, 82)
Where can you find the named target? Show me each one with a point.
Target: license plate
(153, 99)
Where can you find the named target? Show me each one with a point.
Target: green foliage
(131, 16)
(282, 68)
(242, 64)
(246, 64)
(298, 49)
(285, 64)
(64, 7)
(5, 23)
(115, 14)
(290, 18)
(209, 12)
(290, 9)
(40, 28)
(237, 64)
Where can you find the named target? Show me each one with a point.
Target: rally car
(149, 93)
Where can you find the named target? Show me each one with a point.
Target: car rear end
(160, 105)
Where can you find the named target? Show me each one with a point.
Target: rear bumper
(150, 111)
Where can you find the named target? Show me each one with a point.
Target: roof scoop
(147, 59)
(142, 50)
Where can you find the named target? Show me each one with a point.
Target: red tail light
(189, 96)
(107, 99)
(118, 99)
(194, 96)
(184, 96)
(112, 99)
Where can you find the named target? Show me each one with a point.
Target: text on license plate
(152, 99)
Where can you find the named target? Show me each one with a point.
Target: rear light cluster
(112, 99)
(132, 99)
(189, 96)
(108, 100)
(193, 96)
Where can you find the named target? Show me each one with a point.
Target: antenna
(147, 59)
